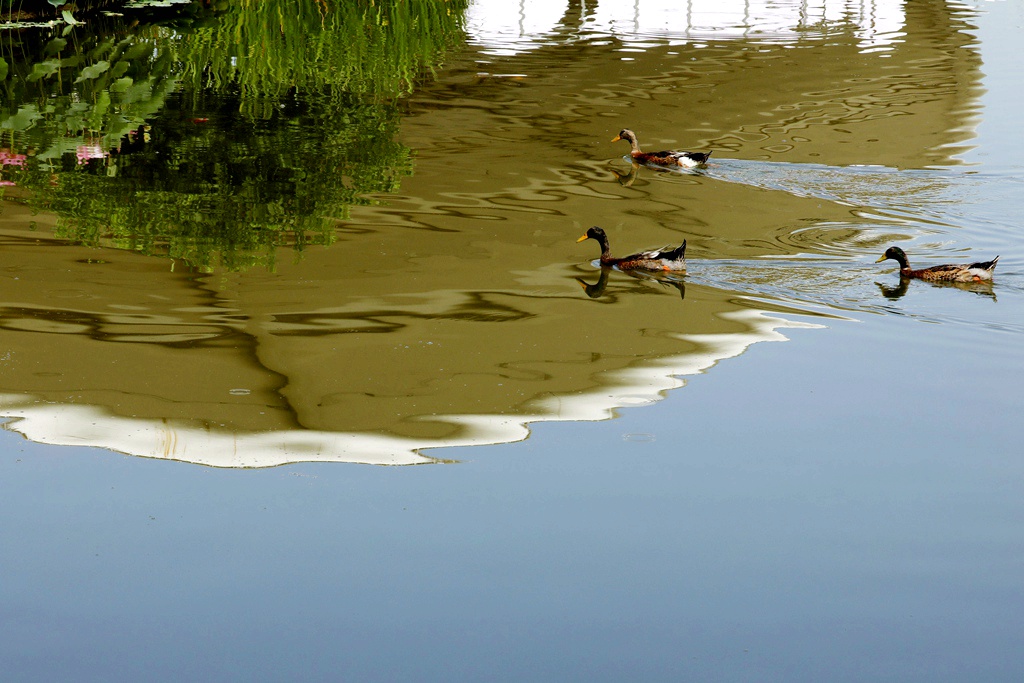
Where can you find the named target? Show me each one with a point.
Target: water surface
(380, 266)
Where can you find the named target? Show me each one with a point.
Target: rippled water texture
(448, 307)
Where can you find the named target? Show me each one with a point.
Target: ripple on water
(866, 288)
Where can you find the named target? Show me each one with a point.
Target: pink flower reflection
(9, 158)
(85, 152)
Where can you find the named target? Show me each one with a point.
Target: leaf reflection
(218, 138)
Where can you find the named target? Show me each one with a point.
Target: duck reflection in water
(596, 290)
(628, 178)
(895, 292)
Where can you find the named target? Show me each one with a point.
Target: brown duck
(663, 158)
(665, 259)
(967, 272)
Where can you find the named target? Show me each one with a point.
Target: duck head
(595, 233)
(896, 254)
(627, 135)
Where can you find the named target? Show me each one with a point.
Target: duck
(663, 158)
(664, 259)
(950, 272)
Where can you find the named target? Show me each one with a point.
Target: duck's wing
(947, 271)
(665, 157)
(694, 157)
(668, 253)
(652, 255)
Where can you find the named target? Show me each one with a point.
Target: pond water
(234, 257)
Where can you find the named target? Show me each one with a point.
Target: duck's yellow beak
(585, 237)
(883, 257)
(616, 138)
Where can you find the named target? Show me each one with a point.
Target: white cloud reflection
(83, 425)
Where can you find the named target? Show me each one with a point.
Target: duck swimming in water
(664, 259)
(663, 158)
(967, 272)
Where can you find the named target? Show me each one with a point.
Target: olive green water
(354, 240)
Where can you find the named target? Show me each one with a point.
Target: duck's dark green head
(896, 254)
(595, 233)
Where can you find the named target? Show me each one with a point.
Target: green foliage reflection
(216, 139)
(272, 46)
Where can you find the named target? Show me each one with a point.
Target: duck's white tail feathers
(986, 265)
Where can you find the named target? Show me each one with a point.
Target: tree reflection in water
(214, 141)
